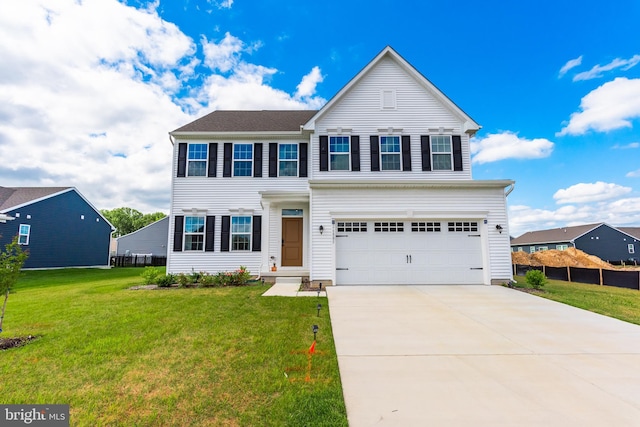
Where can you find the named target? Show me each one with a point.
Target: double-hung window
(441, 152)
(242, 159)
(288, 157)
(390, 153)
(197, 160)
(339, 153)
(241, 233)
(23, 234)
(193, 233)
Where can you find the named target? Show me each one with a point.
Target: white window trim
(631, 248)
(20, 234)
(232, 233)
(205, 160)
(234, 160)
(399, 153)
(433, 153)
(185, 233)
(347, 154)
(296, 161)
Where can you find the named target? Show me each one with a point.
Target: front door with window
(292, 242)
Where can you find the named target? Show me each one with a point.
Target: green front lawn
(201, 357)
(623, 304)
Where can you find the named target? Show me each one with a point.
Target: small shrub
(232, 278)
(166, 281)
(536, 279)
(183, 280)
(207, 280)
(194, 277)
(150, 275)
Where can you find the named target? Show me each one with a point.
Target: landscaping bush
(150, 275)
(207, 280)
(183, 280)
(535, 278)
(166, 281)
(233, 278)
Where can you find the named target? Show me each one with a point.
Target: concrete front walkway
(481, 356)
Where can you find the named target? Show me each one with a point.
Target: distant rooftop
(16, 196)
(250, 121)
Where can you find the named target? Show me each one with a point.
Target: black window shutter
(226, 164)
(177, 233)
(257, 160)
(324, 153)
(182, 159)
(426, 152)
(375, 153)
(209, 233)
(457, 152)
(224, 235)
(355, 153)
(257, 234)
(213, 159)
(302, 165)
(273, 159)
(406, 153)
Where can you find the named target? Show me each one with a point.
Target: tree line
(127, 220)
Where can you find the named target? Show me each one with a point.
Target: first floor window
(441, 152)
(193, 233)
(390, 153)
(23, 234)
(562, 247)
(242, 159)
(241, 233)
(288, 155)
(197, 160)
(339, 153)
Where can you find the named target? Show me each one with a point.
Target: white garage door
(408, 252)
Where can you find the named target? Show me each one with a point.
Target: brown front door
(291, 242)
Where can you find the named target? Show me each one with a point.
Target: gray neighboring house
(602, 240)
(149, 240)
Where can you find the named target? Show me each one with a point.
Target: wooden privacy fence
(138, 261)
(596, 276)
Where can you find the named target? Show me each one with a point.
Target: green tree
(127, 220)
(11, 261)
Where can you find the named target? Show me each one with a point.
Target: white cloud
(590, 192)
(307, 86)
(633, 174)
(89, 91)
(508, 145)
(610, 106)
(598, 70)
(572, 63)
(631, 145)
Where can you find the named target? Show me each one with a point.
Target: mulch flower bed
(6, 343)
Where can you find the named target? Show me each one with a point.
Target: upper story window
(288, 160)
(339, 153)
(197, 160)
(241, 233)
(193, 233)
(390, 153)
(242, 159)
(441, 152)
(23, 234)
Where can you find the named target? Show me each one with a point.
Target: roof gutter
(510, 189)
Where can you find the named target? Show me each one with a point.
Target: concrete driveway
(481, 356)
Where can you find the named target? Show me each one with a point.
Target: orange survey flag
(312, 349)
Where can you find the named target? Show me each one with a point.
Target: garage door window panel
(352, 227)
(388, 227)
(425, 227)
(462, 226)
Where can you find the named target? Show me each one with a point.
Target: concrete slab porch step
(289, 287)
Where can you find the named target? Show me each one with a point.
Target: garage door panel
(410, 252)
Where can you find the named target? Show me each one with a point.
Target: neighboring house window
(288, 158)
(23, 234)
(562, 247)
(193, 233)
(441, 152)
(241, 233)
(532, 249)
(632, 249)
(242, 159)
(390, 153)
(339, 153)
(197, 160)
(543, 248)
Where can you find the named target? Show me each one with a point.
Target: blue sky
(89, 89)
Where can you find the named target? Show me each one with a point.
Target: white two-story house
(374, 188)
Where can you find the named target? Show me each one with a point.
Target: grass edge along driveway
(201, 357)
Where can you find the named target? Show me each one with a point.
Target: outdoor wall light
(321, 229)
(499, 228)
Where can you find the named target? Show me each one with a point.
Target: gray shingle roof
(562, 234)
(250, 121)
(16, 196)
(633, 231)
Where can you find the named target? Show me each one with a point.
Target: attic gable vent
(388, 99)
